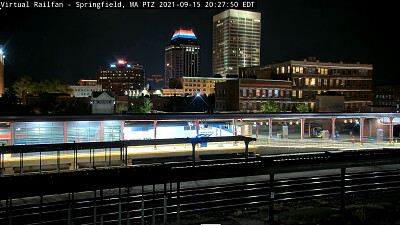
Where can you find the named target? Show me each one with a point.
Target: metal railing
(170, 202)
(94, 155)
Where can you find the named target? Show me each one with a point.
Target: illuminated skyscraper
(236, 41)
(122, 78)
(182, 56)
(1, 72)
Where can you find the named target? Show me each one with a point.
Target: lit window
(258, 93)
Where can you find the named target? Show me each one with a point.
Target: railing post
(9, 210)
(21, 163)
(246, 150)
(41, 210)
(40, 162)
(178, 197)
(155, 133)
(271, 199)
(194, 153)
(94, 208)
(142, 213)
(342, 190)
(119, 207)
(128, 213)
(165, 204)
(90, 158)
(58, 161)
(126, 156)
(121, 157)
(70, 200)
(2, 169)
(101, 206)
(153, 216)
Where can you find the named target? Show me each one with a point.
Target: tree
(270, 107)
(142, 106)
(302, 108)
(54, 86)
(25, 84)
(120, 107)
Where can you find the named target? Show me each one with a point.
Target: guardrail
(169, 202)
(116, 151)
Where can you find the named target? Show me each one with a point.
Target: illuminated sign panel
(184, 34)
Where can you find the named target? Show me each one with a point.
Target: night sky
(73, 44)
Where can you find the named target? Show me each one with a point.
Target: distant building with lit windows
(248, 95)
(2, 56)
(122, 78)
(387, 96)
(236, 41)
(182, 56)
(85, 88)
(201, 85)
(310, 77)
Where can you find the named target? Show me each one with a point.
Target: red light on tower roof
(121, 61)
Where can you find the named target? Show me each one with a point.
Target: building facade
(311, 77)
(182, 56)
(87, 82)
(85, 88)
(172, 92)
(329, 102)
(122, 78)
(236, 41)
(201, 85)
(1, 71)
(248, 95)
(102, 102)
(387, 96)
(255, 72)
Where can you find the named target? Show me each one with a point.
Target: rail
(170, 202)
(116, 151)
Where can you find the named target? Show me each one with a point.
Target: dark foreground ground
(372, 209)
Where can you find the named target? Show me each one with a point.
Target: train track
(167, 202)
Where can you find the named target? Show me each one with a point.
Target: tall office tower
(1, 72)
(236, 41)
(122, 78)
(182, 56)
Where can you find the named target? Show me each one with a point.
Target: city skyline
(75, 43)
